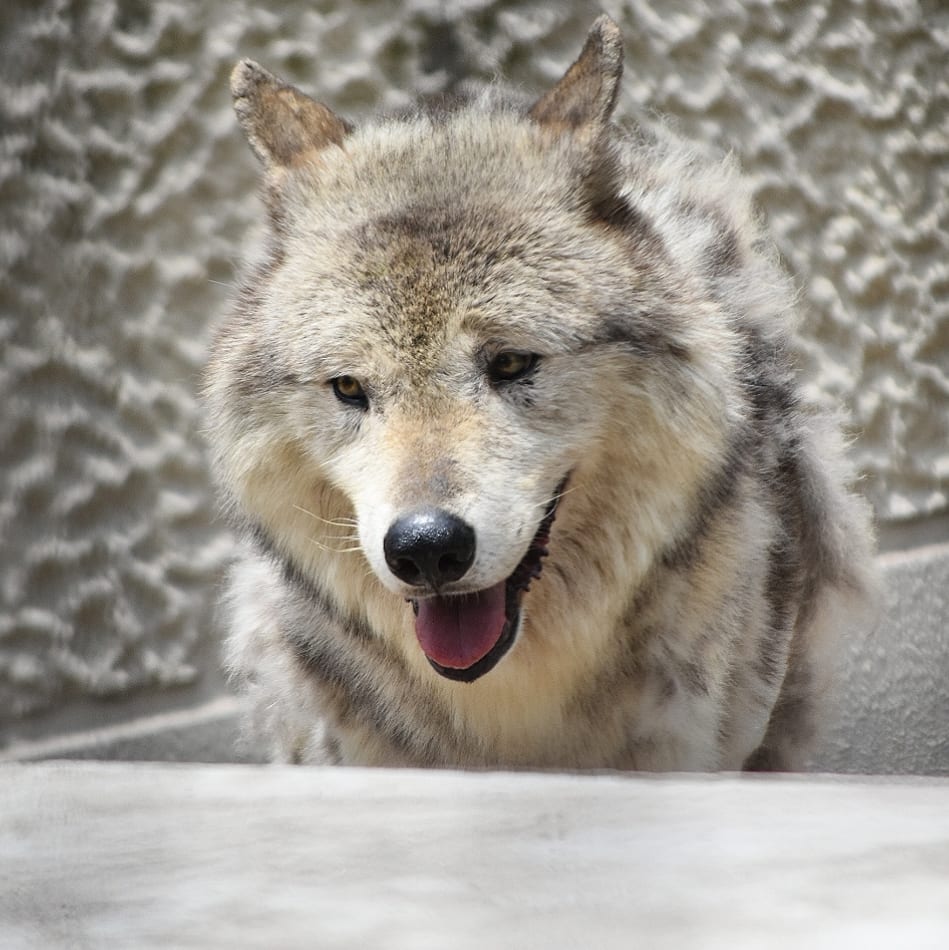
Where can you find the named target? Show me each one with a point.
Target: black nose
(429, 547)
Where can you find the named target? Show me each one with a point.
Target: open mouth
(464, 636)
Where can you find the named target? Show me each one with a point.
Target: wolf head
(462, 317)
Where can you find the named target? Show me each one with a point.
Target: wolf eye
(511, 365)
(349, 390)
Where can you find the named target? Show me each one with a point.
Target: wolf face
(408, 333)
(430, 410)
(503, 379)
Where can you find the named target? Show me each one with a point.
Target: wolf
(507, 417)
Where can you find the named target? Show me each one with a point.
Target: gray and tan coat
(481, 324)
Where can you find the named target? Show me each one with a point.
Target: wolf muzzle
(464, 635)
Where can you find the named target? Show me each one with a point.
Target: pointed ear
(586, 95)
(283, 126)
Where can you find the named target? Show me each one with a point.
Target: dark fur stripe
(647, 336)
(358, 696)
(339, 668)
(305, 585)
(607, 206)
(783, 585)
(724, 255)
(713, 497)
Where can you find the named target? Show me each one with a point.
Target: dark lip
(489, 661)
(517, 584)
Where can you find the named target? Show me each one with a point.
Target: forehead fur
(475, 156)
(424, 220)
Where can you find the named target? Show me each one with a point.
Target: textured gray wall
(127, 193)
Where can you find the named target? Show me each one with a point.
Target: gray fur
(705, 556)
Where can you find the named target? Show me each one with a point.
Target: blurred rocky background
(127, 195)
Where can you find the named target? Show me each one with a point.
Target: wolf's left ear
(284, 127)
(586, 95)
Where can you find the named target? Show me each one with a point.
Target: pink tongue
(458, 631)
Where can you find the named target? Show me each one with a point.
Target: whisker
(331, 550)
(557, 496)
(342, 523)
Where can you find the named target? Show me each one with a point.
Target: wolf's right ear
(284, 127)
(586, 95)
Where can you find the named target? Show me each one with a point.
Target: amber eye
(348, 389)
(511, 365)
